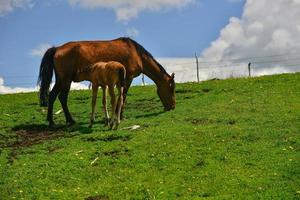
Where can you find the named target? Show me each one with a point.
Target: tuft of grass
(226, 139)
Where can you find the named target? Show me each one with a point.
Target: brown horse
(106, 74)
(69, 58)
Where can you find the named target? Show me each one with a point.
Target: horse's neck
(155, 72)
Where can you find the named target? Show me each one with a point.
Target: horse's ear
(172, 76)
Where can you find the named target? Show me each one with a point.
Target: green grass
(228, 139)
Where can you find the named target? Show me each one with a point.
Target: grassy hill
(226, 139)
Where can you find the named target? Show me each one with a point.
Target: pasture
(226, 139)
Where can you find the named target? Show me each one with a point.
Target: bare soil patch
(99, 197)
(26, 138)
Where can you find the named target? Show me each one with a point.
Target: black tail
(122, 75)
(45, 75)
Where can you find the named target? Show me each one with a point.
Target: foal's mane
(142, 51)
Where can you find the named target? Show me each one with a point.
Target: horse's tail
(45, 75)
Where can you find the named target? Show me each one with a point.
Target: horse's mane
(141, 50)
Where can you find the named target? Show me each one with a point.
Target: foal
(107, 74)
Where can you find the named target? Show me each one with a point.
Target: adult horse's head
(166, 93)
(151, 68)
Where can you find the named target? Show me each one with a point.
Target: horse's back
(96, 50)
(114, 65)
(73, 56)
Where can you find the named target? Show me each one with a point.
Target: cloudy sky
(225, 34)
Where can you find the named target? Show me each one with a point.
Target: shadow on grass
(149, 115)
(42, 128)
(27, 135)
(30, 134)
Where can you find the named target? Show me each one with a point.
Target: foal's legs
(63, 98)
(94, 101)
(106, 116)
(52, 96)
(113, 105)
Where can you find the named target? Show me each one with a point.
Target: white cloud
(184, 68)
(132, 32)
(9, 90)
(40, 50)
(128, 9)
(7, 6)
(78, 86)
(267, 27)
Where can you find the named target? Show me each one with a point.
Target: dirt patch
(31, 134)
(201, 121)
(26, 138)
(116, 153)
(99, 197)
(28, 135)
(109, 138)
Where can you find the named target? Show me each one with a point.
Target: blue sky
(169, 31)
(225, 34)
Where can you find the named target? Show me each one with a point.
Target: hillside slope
(226, 139)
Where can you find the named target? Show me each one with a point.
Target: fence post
(197, 67)
(249, 69)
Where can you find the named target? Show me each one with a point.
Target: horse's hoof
(116, 126)
(111, 124)
(91, 123)
(71, 123)
(107, 122)
(51, 125)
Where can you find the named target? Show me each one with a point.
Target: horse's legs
(106, 116)
(120, 104)
(63, 98)
(52, 96)
(128, 83)
(94, 101)
(113, 105)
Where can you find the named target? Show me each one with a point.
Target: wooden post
(197, 62)
(249, 69)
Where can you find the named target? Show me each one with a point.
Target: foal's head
(166, 93)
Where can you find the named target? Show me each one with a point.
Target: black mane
(141, 50)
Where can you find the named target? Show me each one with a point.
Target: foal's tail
(45, 75)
